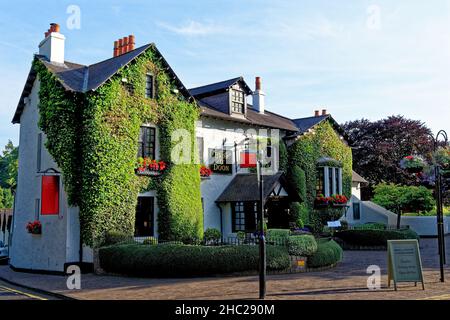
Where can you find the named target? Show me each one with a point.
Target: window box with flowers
(150, 167)
(34, 227)
(412, 164)
(335, 201)
(205, 172)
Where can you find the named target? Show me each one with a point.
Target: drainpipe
(221, 220)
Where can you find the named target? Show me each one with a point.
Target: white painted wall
(214, 132)
(59, 241)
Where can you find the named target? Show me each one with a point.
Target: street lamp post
(262, 239)
(440, 204)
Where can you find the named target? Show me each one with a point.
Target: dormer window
(237, 101)
(149, 86)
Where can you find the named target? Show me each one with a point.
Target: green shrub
(370, 226)
(212, 234)
(150, 241)
(183, 260)
(278, 234)
(371, 237)
(304, 245)
(240, 235)
(328, 253)
(299, 213)
(116, 237)
(171, 243)
(405, 198)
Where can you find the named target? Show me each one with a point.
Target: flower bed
(149, 167)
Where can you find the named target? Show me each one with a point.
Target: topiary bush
(372, 237)
(185, 261)
(328, 253)
(304, 245)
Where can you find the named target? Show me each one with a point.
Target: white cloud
(193, 28)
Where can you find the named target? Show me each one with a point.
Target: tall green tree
(8, 174)
(9, 164)
(379, 146)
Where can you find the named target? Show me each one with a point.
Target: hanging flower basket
(34, 227)
(205, 172)
(412, 164)
(442, 158)
(149, 167)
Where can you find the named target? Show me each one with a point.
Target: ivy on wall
(93, 138)
(305, 153)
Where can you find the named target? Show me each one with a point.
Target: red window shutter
(50, 195)
(248, 160)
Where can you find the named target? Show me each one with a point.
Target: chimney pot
(116, 48)
(131, 42)
(54, 27)
(324, 112)
(316, 113)
(120, 47)
(125, 45)
(258, 83)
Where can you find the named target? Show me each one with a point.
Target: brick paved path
(347, 281)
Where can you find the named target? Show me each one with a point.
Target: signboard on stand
(404, 263)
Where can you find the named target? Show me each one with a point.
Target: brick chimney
(258, 96)
(123, 45)
(53, 44)
(317, 113)
(324, 112)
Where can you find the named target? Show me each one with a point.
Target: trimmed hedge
(184, 260)
(328, 253)
(278, 234)
(372, 237)
(304, 245)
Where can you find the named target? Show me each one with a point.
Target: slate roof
(268, 119)
(304, 124)
(357, 178)
(215, 88)
(80, 78)
(244, 187)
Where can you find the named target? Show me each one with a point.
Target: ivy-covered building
(122, 146)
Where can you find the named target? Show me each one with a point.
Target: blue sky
(355, 58)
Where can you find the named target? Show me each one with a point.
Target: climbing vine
(94, 137)
(305, 153)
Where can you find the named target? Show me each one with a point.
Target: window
(39, 152)
(237, 101)
(149, 86)
(330, 181)
(144, 222)
(320, 189)
(50, 195)
(356, 211)
(244, 216)
(147, 143)
(200, 146)
(337, 176)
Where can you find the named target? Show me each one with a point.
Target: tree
(9, 164)
(379, 146)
